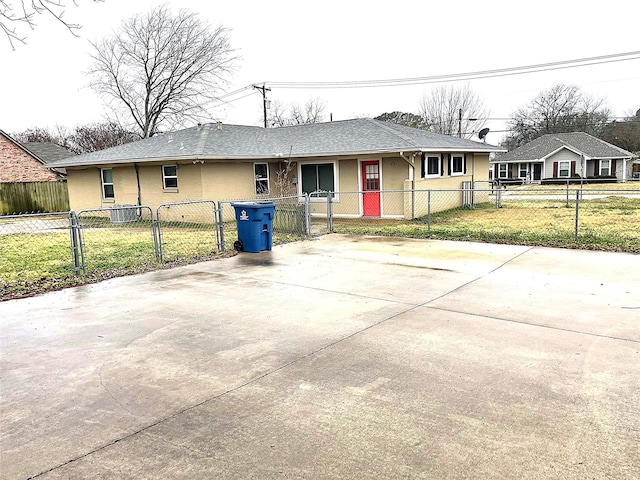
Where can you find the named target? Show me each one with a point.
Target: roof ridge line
(203, 137)
(381, 124)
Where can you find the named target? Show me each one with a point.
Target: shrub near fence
(27, 197)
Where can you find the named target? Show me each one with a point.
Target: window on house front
(523, 170)
(605, 167)
(502, 170)
(169, 176)
(431, 165)
(563, 169)
(457, 165)
(318, 177)
(107, 183)
(261, 175)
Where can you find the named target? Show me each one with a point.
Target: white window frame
(500, 170)
(317, 198)
(438, 167)
(560, 169)
(607, 168)
(520, 170)
(104, 184)
(166, 177)
(453, 172)
(264, 180)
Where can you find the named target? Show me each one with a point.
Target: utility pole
(264, 91)
(460, 123)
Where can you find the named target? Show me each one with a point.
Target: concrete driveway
(341, 358)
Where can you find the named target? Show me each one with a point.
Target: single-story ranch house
(222, 162)
(561, 156)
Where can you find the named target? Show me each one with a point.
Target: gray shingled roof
(48, 152)
(237, 142)
(583, 143)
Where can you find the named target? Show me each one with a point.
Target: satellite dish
(483, 133)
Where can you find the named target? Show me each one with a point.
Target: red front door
(371, 189)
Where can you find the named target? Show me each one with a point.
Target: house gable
(17, 164)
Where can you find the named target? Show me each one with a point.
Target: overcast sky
(43, 83)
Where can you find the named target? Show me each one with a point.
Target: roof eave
(275, 157)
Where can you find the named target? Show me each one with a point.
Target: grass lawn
(604, 224)
(32, 263)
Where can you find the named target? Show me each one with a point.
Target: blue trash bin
(255, 226)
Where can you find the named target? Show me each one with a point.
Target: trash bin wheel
(237, 246)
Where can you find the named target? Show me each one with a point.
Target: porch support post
(412, 176)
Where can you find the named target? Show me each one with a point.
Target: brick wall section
(16, 165)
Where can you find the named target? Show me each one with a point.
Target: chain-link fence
(41, 247)
(594, 217)
(187, 229)
(35, 246)
(292, 219)
(117, 237)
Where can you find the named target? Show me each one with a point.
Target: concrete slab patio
(341, 357)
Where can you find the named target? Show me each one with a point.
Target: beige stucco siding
(85, 188)
(125, 186)
(395, 171)
(220, 180)
(477, 171)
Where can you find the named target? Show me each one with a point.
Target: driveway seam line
(540, 325)
(480, 277)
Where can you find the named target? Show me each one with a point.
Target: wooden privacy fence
(25, 197)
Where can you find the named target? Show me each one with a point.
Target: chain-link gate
(117, 237)
(188, 229)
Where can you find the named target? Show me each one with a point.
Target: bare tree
(58, 136)
(83, 139)
(625, 133)
(450, 110)
(160, 70)
(98, 136)
(23, 13)
(311, 112)
(561, 109)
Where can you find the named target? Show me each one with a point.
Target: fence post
(413, 202)
(499, 196)
(221, 225)
(307, 214)
(329, 212)
(160, 253)
(428, 210)
(155, 231)
(577, 212)
(76, 243)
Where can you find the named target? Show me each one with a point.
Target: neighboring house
(563, 156)
(49, 152)
(221, 162)
(19, 163)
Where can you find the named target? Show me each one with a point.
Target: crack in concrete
(111, 394)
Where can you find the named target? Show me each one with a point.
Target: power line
(452, 77)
